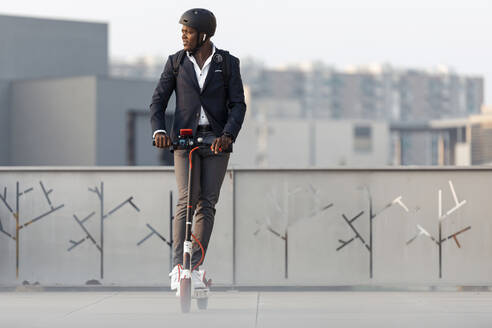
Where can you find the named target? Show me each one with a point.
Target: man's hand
(162, 140)
(220, 144)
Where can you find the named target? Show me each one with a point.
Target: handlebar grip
(171, 148)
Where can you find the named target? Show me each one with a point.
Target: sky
(420, 34)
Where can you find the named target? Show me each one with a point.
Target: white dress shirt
(201, 75)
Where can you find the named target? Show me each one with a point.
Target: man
(210, 101)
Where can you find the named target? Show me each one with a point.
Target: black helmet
(202, 20)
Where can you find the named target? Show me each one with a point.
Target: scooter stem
(187, 247)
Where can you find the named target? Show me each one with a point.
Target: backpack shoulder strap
(226, 68)
(177, 58)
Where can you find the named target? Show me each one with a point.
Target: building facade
(58, 105)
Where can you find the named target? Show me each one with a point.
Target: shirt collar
(193, 60)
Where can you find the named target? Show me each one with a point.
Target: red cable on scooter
(203, 252)
(191, 151)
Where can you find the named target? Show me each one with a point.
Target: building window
(362, 138)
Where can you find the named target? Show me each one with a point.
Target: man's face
(190, 37)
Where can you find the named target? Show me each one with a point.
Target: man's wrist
(227, 134)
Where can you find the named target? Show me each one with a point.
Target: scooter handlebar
(188, 143)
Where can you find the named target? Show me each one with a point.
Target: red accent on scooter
(191, 152)
(186, 132)
(203, 252)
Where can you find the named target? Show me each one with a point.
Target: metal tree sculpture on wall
(288, 221)
(17, 216)
(371, 216)
(441, 217)
(102, 216)
(153, 232)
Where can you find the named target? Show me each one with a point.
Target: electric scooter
(186, 141)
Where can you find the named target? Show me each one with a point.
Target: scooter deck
(202, 292)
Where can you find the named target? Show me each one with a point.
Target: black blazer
(189, 98)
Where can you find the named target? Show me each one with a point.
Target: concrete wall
(39, 48)
(294, 202)
(4, 122)
(114, 98)
(294, 234)
(79, 121)
(146, 154)
(44, 254)
(53, 122)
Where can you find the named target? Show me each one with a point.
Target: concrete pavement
(247, 309)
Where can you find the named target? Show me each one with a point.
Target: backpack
(177, 58)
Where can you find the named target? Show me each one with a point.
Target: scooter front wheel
(185, 294)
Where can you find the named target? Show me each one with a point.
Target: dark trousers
(208, 174)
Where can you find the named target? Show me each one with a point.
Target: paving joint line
(91, 304)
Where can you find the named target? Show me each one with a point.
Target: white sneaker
(198, 278)
(175, 276)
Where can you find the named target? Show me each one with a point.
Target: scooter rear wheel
(202, 303)
(185, 294)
